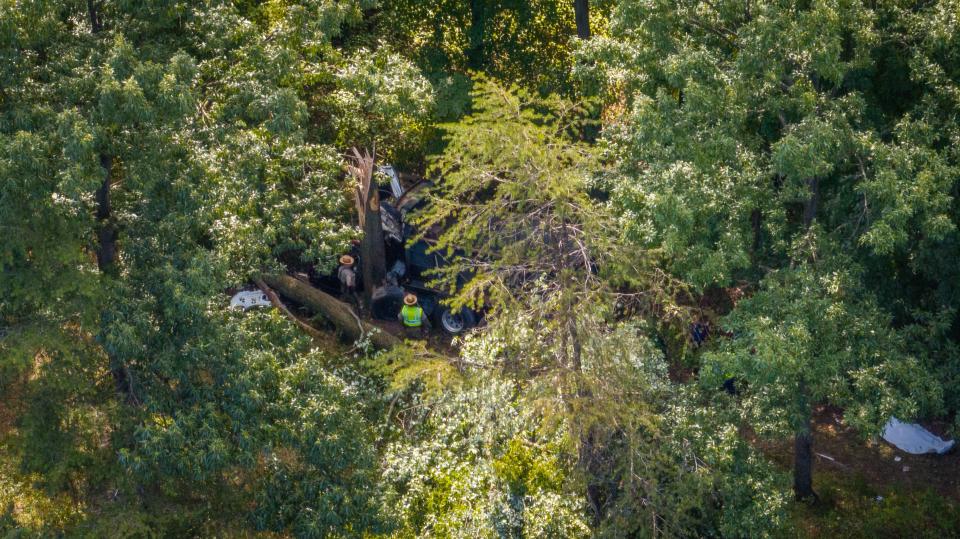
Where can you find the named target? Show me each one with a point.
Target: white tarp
(246, 299)
(914, 439)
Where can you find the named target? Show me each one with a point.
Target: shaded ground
(437, 339)
(841, 452)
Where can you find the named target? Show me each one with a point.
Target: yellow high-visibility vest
(412, 316)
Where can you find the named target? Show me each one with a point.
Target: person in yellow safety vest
(412, 316)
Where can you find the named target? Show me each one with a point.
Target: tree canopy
(689, 230)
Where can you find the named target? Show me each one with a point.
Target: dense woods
(708, 241)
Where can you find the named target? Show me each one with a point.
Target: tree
(367, 198)
(526, 43)
(275, 415)
(744, 131)
(381, 104)
(515, 215)
(813, 335)
(582, 10)
(732, 146)
(526, 240)
(475, 464)
(150, 179)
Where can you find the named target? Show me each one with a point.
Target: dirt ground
(436, 338)
(841, 451)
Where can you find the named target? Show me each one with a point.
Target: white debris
(914, 439)
(246, 299)
(897, 459)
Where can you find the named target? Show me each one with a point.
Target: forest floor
(841, 451)
(436, 339)
(865, 491)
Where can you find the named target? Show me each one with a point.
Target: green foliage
(267, 199)
(529, 43)
(200, 113)
(414, 366)
(382, 101)
(687, 472)
(477, 466)
(812, 335)
(513, 198)
(288, 434)
(805, 152)
(731, 116)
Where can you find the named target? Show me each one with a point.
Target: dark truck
(408, 261)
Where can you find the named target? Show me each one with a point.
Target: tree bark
(810, 209)
(96, 24)
(107, 231)
(334, 310)
(476, 53)
(106, 263)
(373, 255)
(803, 464)
(756, 220)
(275, 300)
(581, 10)
(588, 457)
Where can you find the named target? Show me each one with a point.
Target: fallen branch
(334, 310)
(831, 459)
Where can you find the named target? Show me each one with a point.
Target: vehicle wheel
(455, 322)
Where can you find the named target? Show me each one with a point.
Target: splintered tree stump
(373, 255)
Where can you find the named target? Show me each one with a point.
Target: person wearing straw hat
(347, 275)
(412, 317)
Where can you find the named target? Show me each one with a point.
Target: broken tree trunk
(373, 255)
(338, 312)
(275, 300)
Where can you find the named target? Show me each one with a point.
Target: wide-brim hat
(410, 299)
(346, 260)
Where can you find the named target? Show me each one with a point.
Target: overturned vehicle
(408, 260)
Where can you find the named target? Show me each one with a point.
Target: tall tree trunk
(810, 208)
(589, 459)
(756, 220)
(588, 456)
(803, 463)
(581, 9)
(96, 23)
(106, 230)
(107, 264)
(476, 55)
(373, 253)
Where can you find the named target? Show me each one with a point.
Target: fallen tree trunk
(275, 300)
(334, 310)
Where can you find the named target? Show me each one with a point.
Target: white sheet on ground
(914, 439)
(246, 299)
